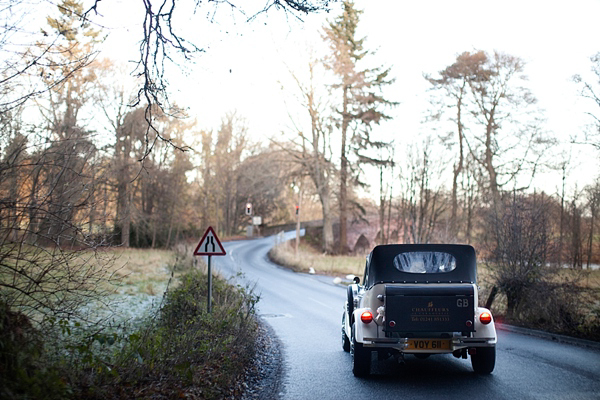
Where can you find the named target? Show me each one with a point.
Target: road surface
(305, 312)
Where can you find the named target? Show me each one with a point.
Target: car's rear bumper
(401, 344)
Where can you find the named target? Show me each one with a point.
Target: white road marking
(322, 304)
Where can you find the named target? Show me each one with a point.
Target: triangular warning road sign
(209, 245)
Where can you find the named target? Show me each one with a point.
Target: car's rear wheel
(484, 360)
(361, 357)
(350, 300)
(345, 340)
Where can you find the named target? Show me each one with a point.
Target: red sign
(209, 245)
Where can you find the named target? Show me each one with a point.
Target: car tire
(345, 340)
(484, 360)
(361, 357)
(350, 300)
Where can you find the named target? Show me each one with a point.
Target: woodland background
(93, 157)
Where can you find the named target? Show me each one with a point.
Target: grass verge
(178, 351)
(307, 258)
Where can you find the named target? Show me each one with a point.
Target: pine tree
(362, 101)
(71, 77)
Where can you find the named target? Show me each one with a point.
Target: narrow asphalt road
(305, 312)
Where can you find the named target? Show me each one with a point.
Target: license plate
(428, 344)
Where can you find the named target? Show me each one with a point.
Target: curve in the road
(305, 313)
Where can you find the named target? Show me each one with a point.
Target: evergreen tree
(361, 102)
(70, 150)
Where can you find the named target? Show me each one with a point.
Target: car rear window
(425, 262)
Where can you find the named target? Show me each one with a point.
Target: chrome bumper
(401, 343)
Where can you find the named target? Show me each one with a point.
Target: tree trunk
(104, 208)
(126, 223)
(32, 228)
(458, 167)
(327, 227)
(562, 216)
(13, 215)
(381, 207)
(298, 210)
(470, 202)
(389, 218)
(122, 153)
(489, 166)
(343, 246)
(577, 251)
(170, 231)
(92, 204)
(154, 224)
(227, 224)
(123, 214)
(591, 237)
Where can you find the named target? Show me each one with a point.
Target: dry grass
(588, 279)
(323, 264)
(141, 270)
(45, 282)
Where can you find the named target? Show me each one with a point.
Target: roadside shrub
(518, 245)
(184, 350)
(552, 306)
(24, 372)
(535, 293)
(591, 327)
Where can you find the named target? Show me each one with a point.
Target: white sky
(243, 68)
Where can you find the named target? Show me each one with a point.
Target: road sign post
(209, 245)
(209, 299)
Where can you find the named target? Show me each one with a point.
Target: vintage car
(419, 299)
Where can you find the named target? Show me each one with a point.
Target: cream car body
(418, 299)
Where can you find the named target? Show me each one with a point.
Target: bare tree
(162, 43)
(385, 163)
(264, 178)
(232, 172)
(454, 82)
(576, 232)
(221, 159)
(593, 200)
(510, 140)
(230, 144)
(471, 200)
(313, 152)
(30, 67)
(128, 126)
(519, 246)
(129, 129)
(47, 260)
(159, 191)
(495, 120)
(590, 90)
(422, 203)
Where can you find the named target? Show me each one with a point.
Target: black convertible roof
(380, 264)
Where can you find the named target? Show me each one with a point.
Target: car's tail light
(366, 317)
(485, 318)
